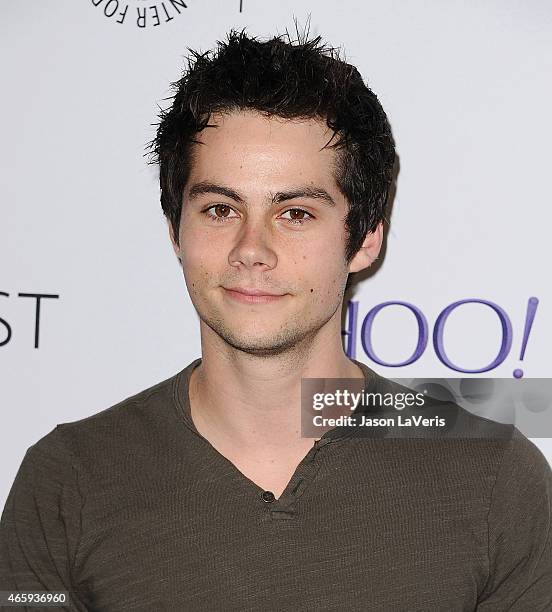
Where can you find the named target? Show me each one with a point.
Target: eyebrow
(315, 193)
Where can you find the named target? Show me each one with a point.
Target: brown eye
(297, 216)
(297, 213)
(222, 209)
(220, 213)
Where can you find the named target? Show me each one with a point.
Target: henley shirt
(133, 509)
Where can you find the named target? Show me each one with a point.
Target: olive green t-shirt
(132, 509)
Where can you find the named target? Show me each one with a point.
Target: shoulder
(518, 530)
(523, 470)
(469, 445)
(115, 434)
(129, 409)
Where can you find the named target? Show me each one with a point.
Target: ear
(175, 246)
(369, 250)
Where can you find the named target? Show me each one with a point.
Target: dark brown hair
(302, 79)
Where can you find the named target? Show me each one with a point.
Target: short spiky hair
(300, 79)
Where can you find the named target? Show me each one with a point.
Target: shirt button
(268, 496)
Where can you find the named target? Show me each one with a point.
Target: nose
(252, 249)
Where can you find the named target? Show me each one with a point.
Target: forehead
(249, 144)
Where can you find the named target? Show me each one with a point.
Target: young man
(200, 493)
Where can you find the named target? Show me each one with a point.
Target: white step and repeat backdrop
(93, 306)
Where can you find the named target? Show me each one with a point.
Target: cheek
(323, 275)
(197, 264)
(194, 247)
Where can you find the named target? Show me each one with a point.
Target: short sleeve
(40, 524)
(519, 528)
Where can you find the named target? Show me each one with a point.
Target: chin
(257, 341)
(261, 344)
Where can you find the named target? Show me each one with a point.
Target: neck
(254, 402)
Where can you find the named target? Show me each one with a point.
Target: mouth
(250, 295)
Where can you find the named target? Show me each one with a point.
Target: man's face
(262, 234)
